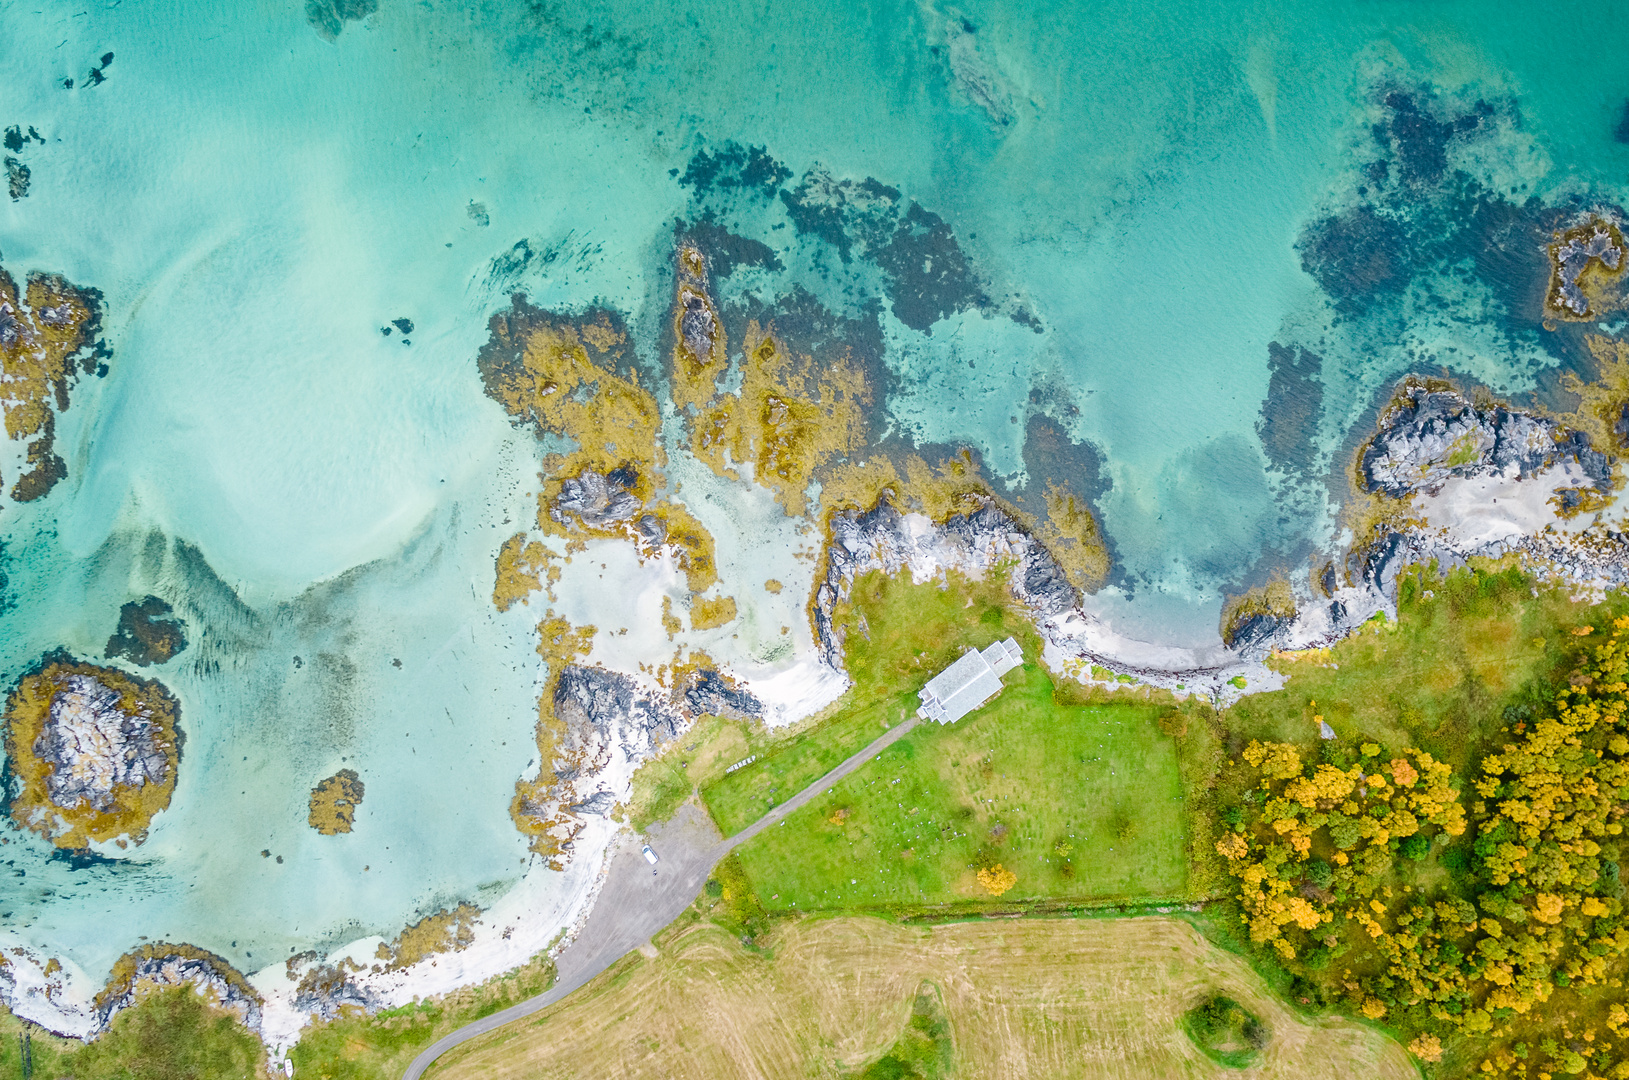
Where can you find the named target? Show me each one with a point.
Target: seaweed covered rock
(48, 336)
(93, 753)
(334, 801)
(148, 633)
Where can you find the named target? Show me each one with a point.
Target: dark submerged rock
(328, 17)
(148, 633)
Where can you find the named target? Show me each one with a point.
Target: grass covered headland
(1043, 794)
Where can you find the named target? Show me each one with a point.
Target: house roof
(967, 683)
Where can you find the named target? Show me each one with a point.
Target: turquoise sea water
(1134, 188)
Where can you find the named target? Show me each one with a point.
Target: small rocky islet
(93, 753)
(334, 802)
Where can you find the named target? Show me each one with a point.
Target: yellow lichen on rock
(539, 816)
(334, 801)
(699, 353)
(93, 753)
(520, 570)
(445, 931)
(45, 334)
(791, 417)
(710, 614)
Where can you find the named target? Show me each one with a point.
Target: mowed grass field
(1080, 800)
(1026, 999)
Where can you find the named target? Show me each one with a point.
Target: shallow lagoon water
(1130, 184)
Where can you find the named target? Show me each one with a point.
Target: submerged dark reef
(927, 275)
(148, 633)
(1418, 219)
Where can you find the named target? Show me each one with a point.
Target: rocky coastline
(1433, 472)
(166, 965)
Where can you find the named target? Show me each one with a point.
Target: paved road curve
(636, 903)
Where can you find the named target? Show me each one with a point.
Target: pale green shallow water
(255, 202)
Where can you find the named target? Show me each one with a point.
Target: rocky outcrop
(1432, 435)
(608, 723)
(884, 539)
(93, 745)
(1571, 255)
(93, 752)
(599, 500)
(165, 965)
(709, 693)
(327, 989)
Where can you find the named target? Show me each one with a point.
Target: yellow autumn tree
(997, 879)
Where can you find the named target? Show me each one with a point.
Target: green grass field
(1080, 800)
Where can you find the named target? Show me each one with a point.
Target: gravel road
(636, 903)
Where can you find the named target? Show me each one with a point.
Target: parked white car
(650, 856)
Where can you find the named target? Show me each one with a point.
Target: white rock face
(94, 746)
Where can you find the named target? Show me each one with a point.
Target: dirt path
(637, 902)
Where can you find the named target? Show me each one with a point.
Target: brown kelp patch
(334, 802)
(572, 377)
(148, 633)
(448, 930)
(522, 568)
(93, 752)
(791, 416)
(539, 810)
(48, 335)
(710, 614)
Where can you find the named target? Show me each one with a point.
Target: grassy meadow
(1080, 800)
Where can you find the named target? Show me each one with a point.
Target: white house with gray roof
(968, 683)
